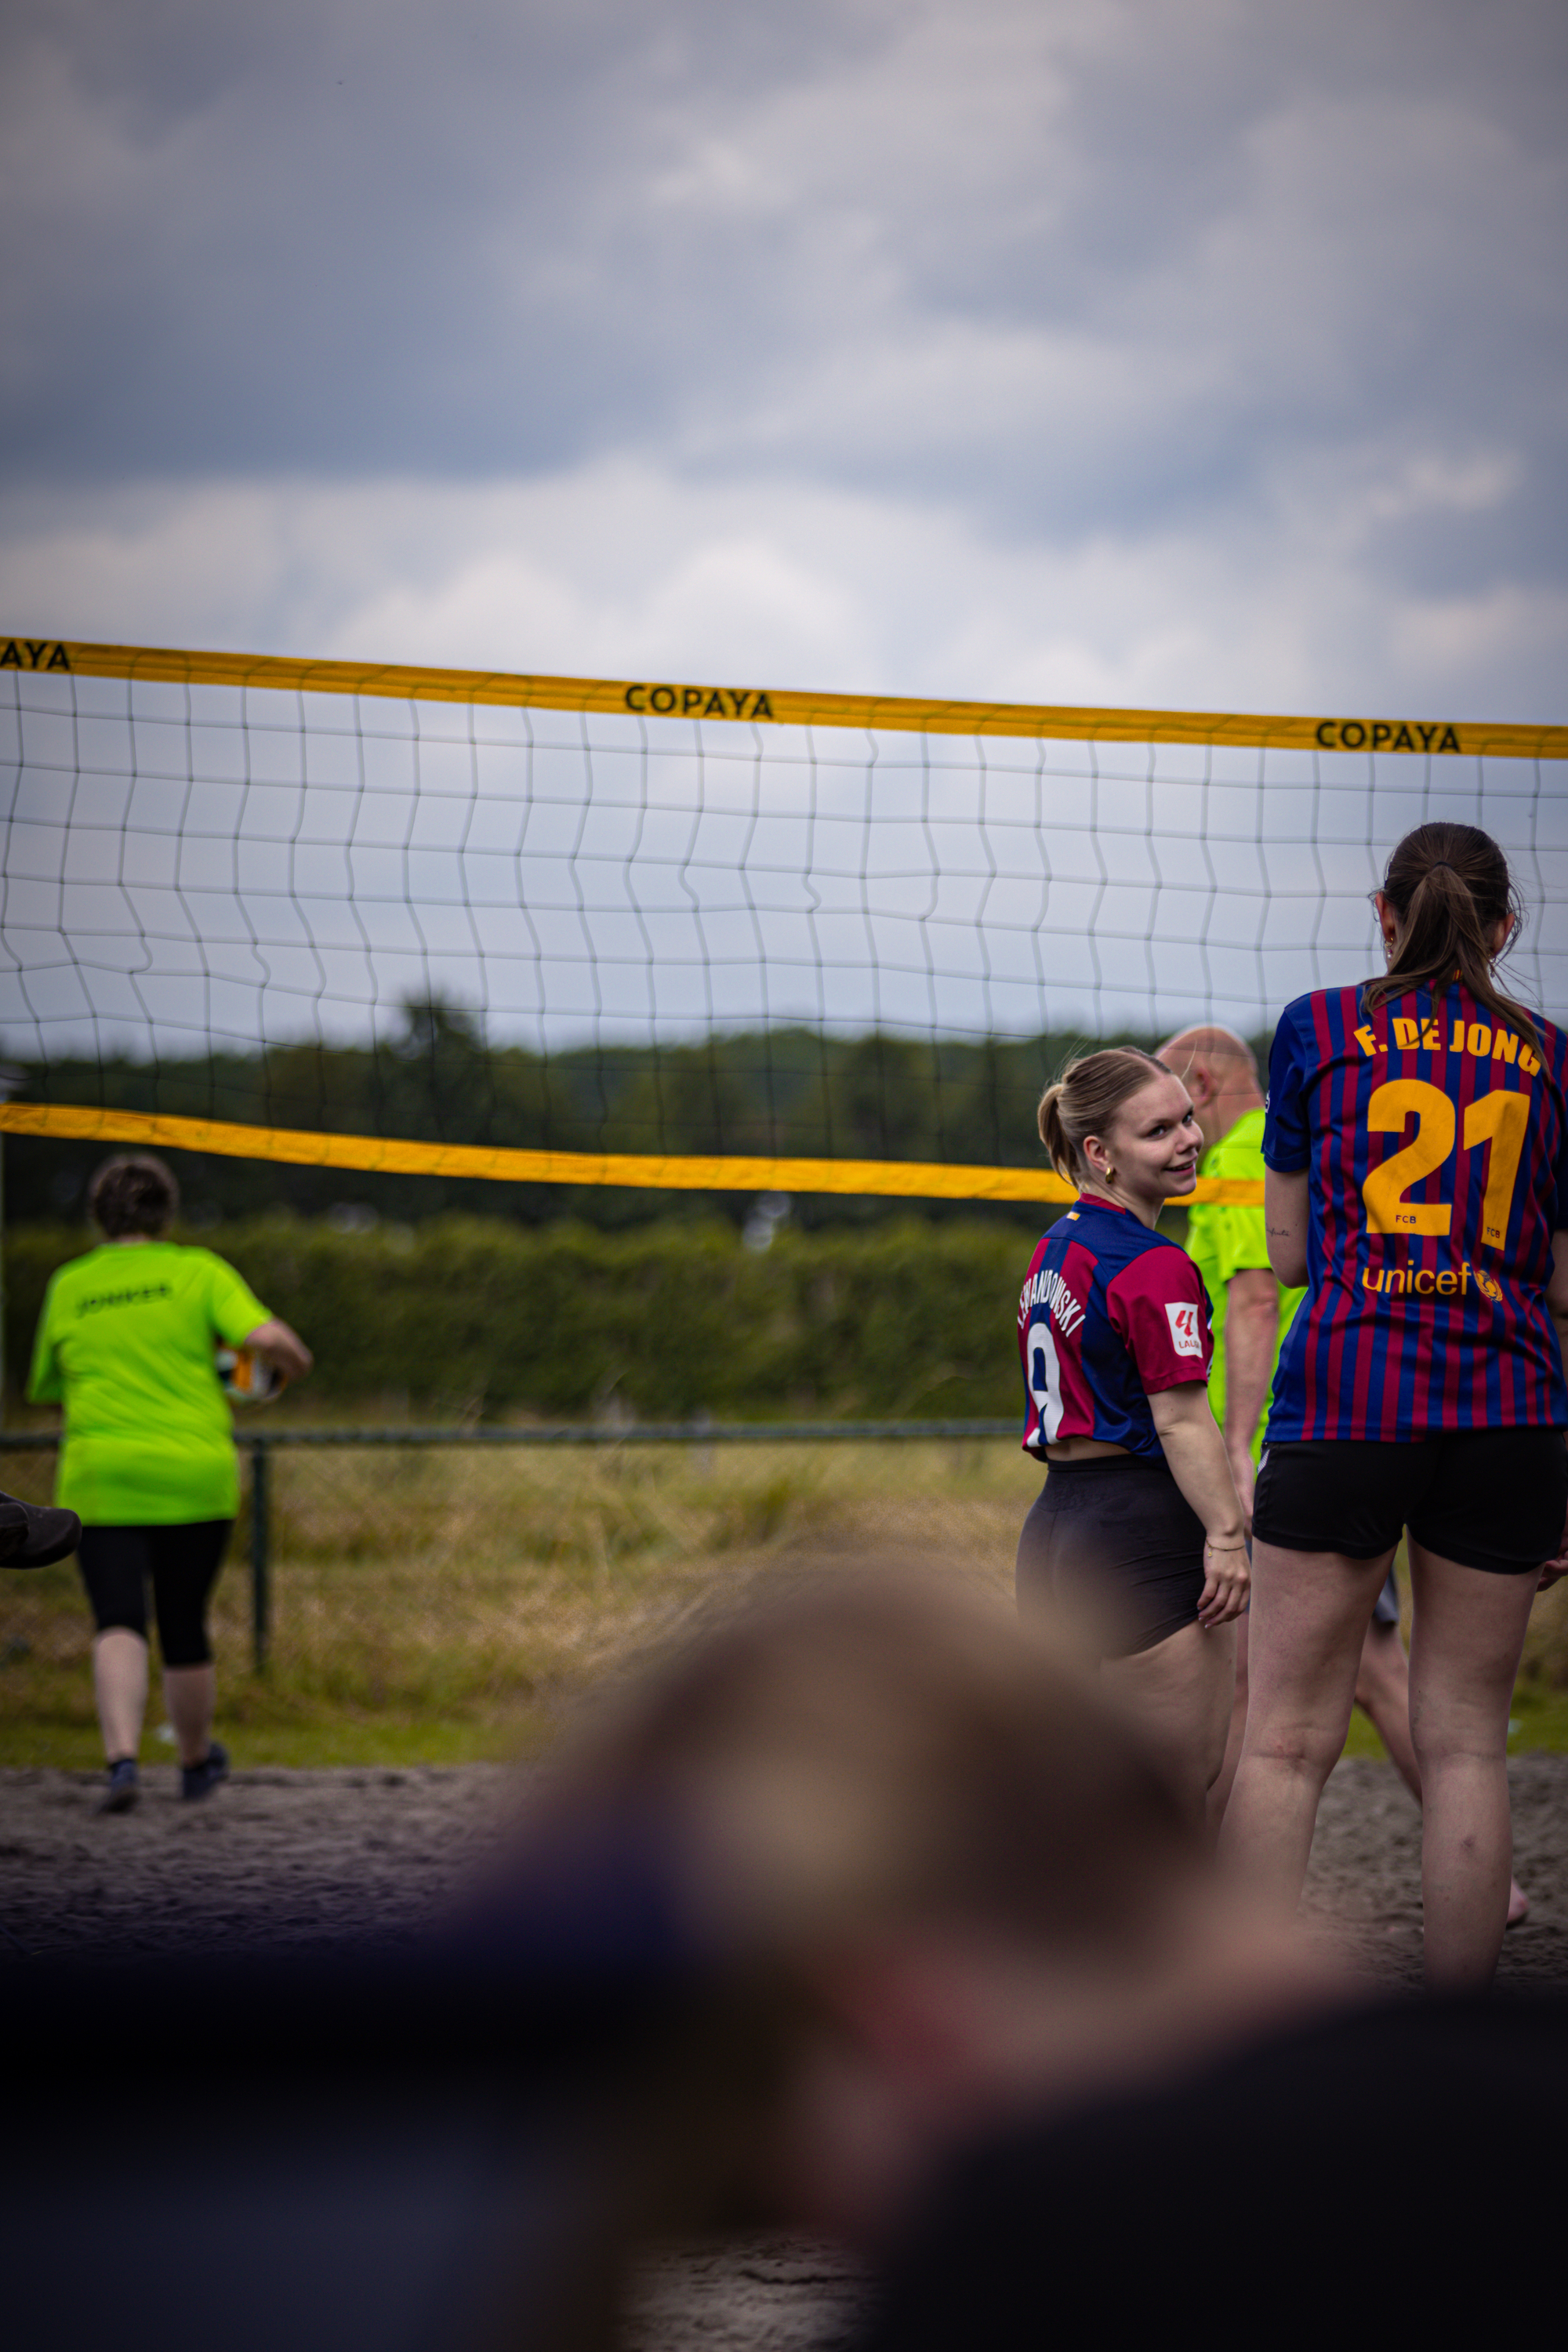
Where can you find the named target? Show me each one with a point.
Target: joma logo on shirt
(122, 1298)
(1181, 1314)
(1048, 1290)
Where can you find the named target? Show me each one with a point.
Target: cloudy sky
(1199, 352)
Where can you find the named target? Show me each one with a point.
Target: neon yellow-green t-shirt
(1226, 1239)
(125, 1341)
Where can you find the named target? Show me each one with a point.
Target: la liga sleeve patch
(1186, 1338)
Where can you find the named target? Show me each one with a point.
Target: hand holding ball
(247, 1378)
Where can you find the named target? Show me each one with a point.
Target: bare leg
(1382, 1694)
(1180, 1695)
(1219, 1795)
(119, 1685)
(190, 1693)
(1468, 1632)
(1309, 1614)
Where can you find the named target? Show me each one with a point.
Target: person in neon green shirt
(1251, 1316)
(125, 1342)
(1251, 1313)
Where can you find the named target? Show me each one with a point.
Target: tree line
(474, 1317)
(792, 1092)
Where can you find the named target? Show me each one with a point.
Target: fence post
(260, 1545)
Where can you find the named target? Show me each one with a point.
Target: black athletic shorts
(1489, 1498)
(1114, 1542)
(183, 1563)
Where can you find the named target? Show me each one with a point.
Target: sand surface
(274, 1857)
(308, 1857)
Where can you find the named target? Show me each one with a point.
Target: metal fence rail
(700, 1431)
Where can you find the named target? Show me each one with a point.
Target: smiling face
(1148, 1153)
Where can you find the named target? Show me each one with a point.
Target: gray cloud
(1236, 281)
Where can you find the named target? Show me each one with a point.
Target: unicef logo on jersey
(1181, 1314)
(1428, 1282)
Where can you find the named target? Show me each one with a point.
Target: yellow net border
(768, 706)
(900, 1179)
(744, 705)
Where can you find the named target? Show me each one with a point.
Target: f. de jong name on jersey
(1437, 1146)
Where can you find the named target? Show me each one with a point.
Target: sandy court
(275, 1858)
(308, 1857)
(305, 1857)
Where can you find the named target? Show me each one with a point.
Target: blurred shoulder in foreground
(1026, 2049)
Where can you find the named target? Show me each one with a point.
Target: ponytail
(1084, 1100)
(1053, 1132)
(1450, 884)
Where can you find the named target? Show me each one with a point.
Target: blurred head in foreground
(967, 1886)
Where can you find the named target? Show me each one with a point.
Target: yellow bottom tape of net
(727, 1173)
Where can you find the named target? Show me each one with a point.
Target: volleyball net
(671, 935)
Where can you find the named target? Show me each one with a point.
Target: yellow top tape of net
(756, 706)
(903, 1179)
(764, 706)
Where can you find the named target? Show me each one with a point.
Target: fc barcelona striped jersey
(1437, 1149)
(1109, 1314)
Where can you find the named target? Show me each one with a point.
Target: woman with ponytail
(1416, 1147)
(1138, 1533)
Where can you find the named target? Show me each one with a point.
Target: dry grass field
(446, 1605)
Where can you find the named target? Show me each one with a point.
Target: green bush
(481, 1317)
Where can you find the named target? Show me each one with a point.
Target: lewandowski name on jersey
(1437, 1149)
(1109, 1314)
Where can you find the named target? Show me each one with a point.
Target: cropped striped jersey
(1437, 1149)
(1110, 1314)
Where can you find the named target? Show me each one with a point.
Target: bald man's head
(1219, 1071)
(1207, 1042)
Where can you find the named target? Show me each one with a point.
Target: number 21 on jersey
(1499, 1120)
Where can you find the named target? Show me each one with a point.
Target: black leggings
(1114, 1542)
(182, 1562)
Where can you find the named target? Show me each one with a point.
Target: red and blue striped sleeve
(1559, 1222)
(1161, 1314)
(1287, 1141)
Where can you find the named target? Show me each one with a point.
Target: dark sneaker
(124, 1788)
(198, 1780)
(33, 1534)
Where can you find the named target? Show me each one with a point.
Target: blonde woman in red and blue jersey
(1416, 1148)
(1138, 1533)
